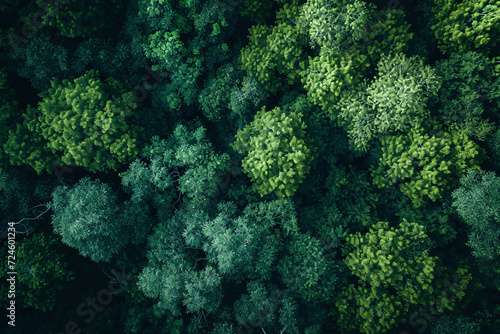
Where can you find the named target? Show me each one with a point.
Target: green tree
(183, 168)
(331, 75)
(82, 123)
(308, 270)
(395, 274)
(425, 165)
(477, 202)
(77, 19)
(9, 115)
(395, 100)
(275, 56)
(455, 324)
(334, 24)
(467, 25)
(278, 150)
(87, 216)
(467, 88)
(42, 271)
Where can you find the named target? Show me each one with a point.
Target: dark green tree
(42, 272)
(89, 218)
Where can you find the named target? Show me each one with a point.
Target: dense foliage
(245, 166)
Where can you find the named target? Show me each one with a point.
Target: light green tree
(395, 100)
(467, 25)
(82, 123)
(426, 166)
(278, 152)
(395, 274)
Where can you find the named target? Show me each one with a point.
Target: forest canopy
(241, 166)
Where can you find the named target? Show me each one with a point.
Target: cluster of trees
(277, 166)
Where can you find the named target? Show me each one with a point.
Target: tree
(466, 25)
(87, 216)
(82, 123)
(477, 201)
(76, 19)
(333, 74)
(456, 324)
(275, 56)
(425, 165)
(395, 274)
(9, 115)
(183, 168)
(395, 100)
(467, 88)
(40, 60)
(191, 255)
(279, 153)
(308, 270)
(42, 271)
(334, 24)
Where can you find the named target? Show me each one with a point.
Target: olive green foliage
(467, 25)
(278, 154)
(332, 74)
(275, 56)
(334, 24)
(83, 123)
(466, 90)
(383, 259)
(426, 166)
(42, 271)
(395, 100)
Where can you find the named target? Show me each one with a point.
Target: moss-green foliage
(333, 73)
(425, 165)
(42, 272)
(278, 152)
(275, 56)
(395, 274)
(467, 25)
(334, 24)
(81, 123)
(384, 259)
